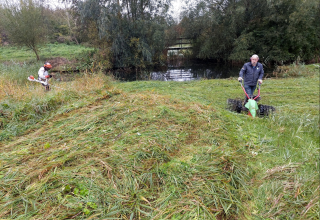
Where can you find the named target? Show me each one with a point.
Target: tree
(24, 24)
(213, 26)
(133, 29)
(279, 31)
(286, 31)
(1, 24)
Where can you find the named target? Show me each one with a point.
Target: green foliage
(77, 199)
(24, 24)
(97, 60)
(118, 24)
(297, 70)
(63, 25)
(213, 28)
(137, 53)
(286, 32)
(2, 18)
(278, 31)
(47, 145)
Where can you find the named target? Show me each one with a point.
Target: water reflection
(184, 71)
(191, 70)
(174, 75)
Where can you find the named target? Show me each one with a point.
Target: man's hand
(260, 81)
(47, 76)
(240, 79)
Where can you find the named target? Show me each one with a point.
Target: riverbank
(98, 148)
(69, 59)
(48, 51)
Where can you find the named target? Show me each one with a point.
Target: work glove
(47, 76)
(260, 81)
(240, 79)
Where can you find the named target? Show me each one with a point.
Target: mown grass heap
(159, 150)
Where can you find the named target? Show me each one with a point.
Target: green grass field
(24, 54)
(94, 148)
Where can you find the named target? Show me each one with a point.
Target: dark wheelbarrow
(250, 105)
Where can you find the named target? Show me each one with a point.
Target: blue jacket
(251, 74)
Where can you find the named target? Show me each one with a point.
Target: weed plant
(297, 70)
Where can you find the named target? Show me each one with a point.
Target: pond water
(194, 70)
(183, 70)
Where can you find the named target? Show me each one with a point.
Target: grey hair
(255, 56)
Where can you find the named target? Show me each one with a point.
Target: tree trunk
(75, 39)
(136, 73)
(36, 52)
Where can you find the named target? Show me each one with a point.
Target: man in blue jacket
(251, 72)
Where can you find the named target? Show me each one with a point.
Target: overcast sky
(175, 10)
(177, 6)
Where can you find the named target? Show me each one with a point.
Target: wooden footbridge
(181, 43)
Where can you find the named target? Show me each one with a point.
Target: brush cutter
(44, 83)
(250, 106)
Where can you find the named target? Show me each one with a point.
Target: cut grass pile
(160, 150)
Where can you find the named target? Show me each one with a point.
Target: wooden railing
(179, 44)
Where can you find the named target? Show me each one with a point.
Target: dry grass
(24, 105)
(279, 171)
(140, 155)
(297, 70)
(158, 150)
(12, 89)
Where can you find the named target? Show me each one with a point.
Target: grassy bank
(8, 53)
(100, 149)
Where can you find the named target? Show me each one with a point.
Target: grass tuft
(93, 148)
